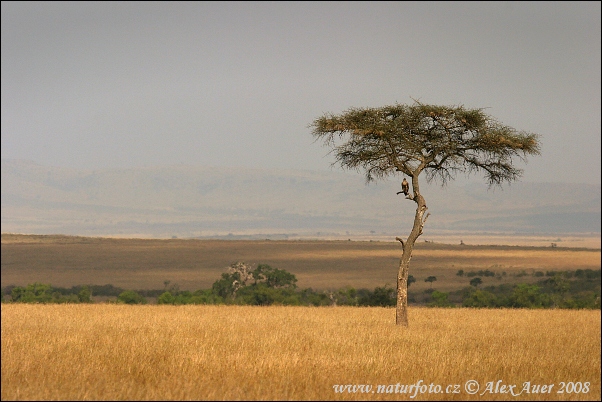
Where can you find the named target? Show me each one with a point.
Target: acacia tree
(439, 141)
(431, 279)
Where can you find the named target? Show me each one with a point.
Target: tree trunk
(401, 314)
(404, 264)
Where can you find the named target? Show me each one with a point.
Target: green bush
(308, 297)
(106, 290)
(346, 296)
(273, 277)
(33, 293)
(183, 297)
(529, 296)
(265, 286)
(130, 297)
(476, 281)
(381, 297)
(206, 297)
(480, 298)
(84, 295)
(261, 294)
(440, 299)
(166, 298)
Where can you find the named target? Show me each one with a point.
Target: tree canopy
(439, 140)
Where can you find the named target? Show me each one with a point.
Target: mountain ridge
(197, 201)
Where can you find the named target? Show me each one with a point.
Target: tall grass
(240, 352)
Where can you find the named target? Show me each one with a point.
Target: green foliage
(273, 277)
(529, 296)
(166, 298)
(106, 290)
(347, 296)
(262, 294)
(206, 297)
(44, 293)
(130, 297)
(224, 287)
(476, 282)
(235, 284)
(480, 298)
(411, 280)
(440, 299)
(587, 274)
(183, 297)
(578, 289)
(585, 299)
(33, 293)
(85, 295)
(309, 297)
(560, 284)
(151, 292)
(556, 291)
(441, 140)
(382, 296)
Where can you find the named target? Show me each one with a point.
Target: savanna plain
(207, 352)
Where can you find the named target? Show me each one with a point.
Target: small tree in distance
(439, 141)
(431, 279)
(476, 282)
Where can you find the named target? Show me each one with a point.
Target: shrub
(130, 297)
(206, 297)
(273, 277)
(308, 297)
(33, 293)
(166, 298)
(476, 282)
(106, 290)
(346, 296)
(480, 298)
(440, 299)
(84, 295)
(529, 296)
(381, 297)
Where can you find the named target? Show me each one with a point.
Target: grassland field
(195, 264)
(157, 352)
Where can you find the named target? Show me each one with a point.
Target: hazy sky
(112, 85)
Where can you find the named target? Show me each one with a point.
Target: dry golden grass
(229, 352)
(196, 264)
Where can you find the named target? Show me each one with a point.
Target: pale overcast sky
(111, 85)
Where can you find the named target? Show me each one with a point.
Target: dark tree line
(243, 284)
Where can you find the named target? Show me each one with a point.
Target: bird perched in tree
(405, 187)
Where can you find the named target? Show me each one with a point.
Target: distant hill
(192, 201)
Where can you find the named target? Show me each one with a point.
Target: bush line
(263, 285)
